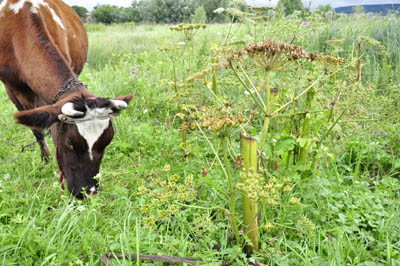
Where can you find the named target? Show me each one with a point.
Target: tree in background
(290, 6)
(239, 4)
(322, 9)
(325, 11)
(104, 14)
(133, 11)
(199, 16)
(81, 11)
(108, 14)
(164, 11)
(358, 9)
(209, 7)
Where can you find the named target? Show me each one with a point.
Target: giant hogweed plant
(286, 146)
(265, 57)
(262, 59)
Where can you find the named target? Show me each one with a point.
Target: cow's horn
(68, 109)
(119, 104)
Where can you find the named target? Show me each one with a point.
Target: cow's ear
(126, 98)
(39, 118)
(121, 103)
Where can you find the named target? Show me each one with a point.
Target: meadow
(326, 184)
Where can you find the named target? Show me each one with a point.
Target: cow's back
(39, 38)
(73, 40)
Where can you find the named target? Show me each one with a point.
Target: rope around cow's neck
(58, 157)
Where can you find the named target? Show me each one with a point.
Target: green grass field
(163, 196)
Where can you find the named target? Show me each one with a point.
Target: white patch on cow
(93, 189)
(68, 109)
(119, 104)
(2, 5)
(35, 9)
(92, 128)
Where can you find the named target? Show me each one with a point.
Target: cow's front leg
(44, 149)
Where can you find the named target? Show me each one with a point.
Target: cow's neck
(44, 68)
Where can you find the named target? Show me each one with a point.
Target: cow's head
(81, 129)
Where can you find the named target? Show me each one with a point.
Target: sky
(89, 4)
(333, 3)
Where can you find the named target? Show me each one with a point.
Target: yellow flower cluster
(216, 119)
(260, 8)
(164, 196)
(294, 200)
(187, 27)
(335, 41)
(198, 75)
(269, 226)
(238, 13)
(373, 43)
(258, 190)
(203, 225)
(305, 226)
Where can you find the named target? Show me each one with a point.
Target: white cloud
(333, 3)
(339, 3)
(89, 4)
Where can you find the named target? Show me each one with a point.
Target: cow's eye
(69, 144)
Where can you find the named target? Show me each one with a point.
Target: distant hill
(383, 9)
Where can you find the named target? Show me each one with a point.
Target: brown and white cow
(43, 48)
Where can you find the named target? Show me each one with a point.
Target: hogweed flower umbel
(271, 55)
(188, 29)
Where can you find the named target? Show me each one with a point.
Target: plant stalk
(248, 149)
(306, 129)
(215, 85)
(267, 111)
(184, 142)
(358, 65)
(232, 204)
(174, 70)
(314, 159)
(249, 91)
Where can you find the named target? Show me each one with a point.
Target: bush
(108, 14)
(81, 11)
(209, 7)
(104, 14)
(199, 16)
(164, 11)
(291, 5)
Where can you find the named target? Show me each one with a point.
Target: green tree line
(160, 11)
(177, 11)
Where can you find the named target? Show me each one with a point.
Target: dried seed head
(271, 55)
(204, 172)
(262, 8)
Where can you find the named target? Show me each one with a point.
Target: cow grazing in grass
(43, 48)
